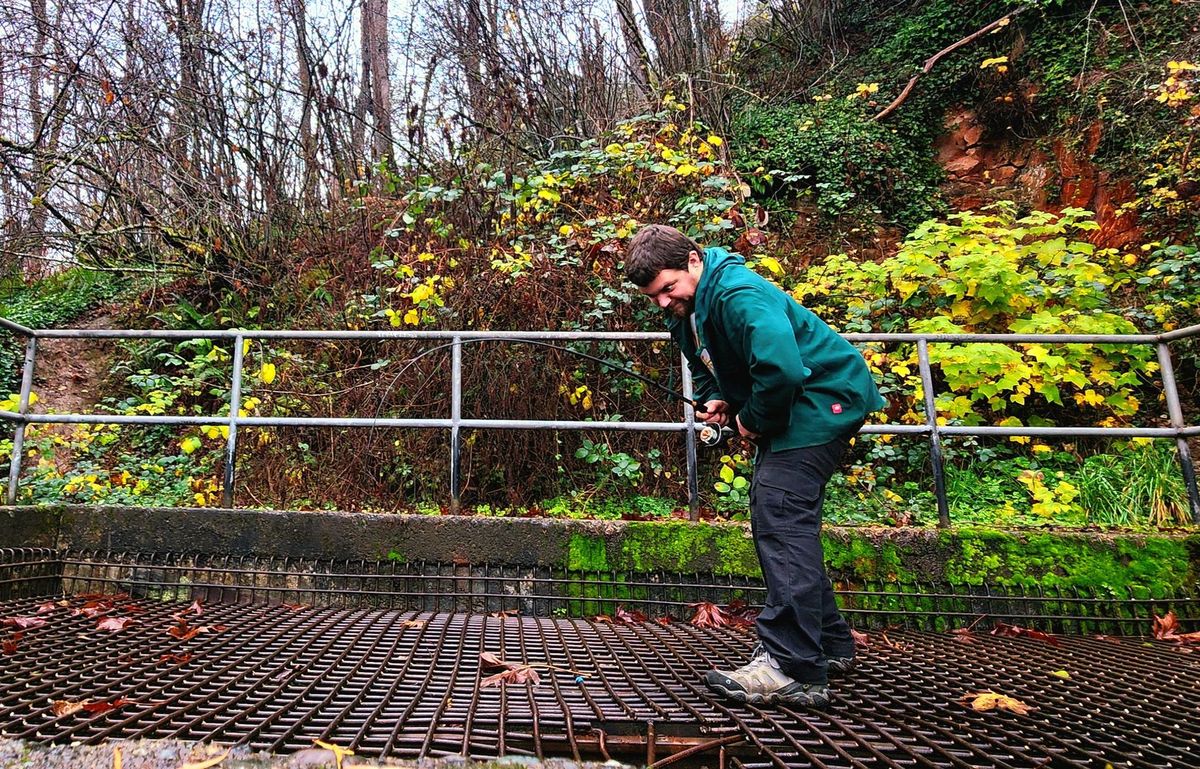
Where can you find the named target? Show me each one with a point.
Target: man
(800, 392)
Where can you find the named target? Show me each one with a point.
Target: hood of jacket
(716, 261)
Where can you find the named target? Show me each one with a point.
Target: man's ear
(695, 259)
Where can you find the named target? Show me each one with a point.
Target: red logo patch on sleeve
(836, 408)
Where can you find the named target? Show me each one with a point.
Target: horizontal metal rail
(455, 423)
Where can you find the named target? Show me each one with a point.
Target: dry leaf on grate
(989, 700)
(510, 672)
(1016, 631)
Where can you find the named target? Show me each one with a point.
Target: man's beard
(682, 308)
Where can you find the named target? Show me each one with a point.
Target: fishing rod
(710, 435)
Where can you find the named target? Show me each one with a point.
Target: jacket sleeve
(759, 331)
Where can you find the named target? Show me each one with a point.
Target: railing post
(18, 447)
(455, 436)
(235, 405)
(935, 437)
(1175, 412)
(689, 419)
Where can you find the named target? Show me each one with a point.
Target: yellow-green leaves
(189, 444)
(267, 373)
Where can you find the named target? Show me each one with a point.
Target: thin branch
(933, 60)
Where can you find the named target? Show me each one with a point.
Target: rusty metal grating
(405, 683)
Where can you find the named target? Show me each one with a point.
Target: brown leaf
(664, 620)
(415, 623)
(489, 661)
(185, 633)
(861, 640)
(11, 643)
(964, 635)
(708, 615)
(989, 700)
(630, 617)
(46, 607)
(897, 645)
(1165, 627)
(66, 707)
(114, 624)
(505, 613)
(104, 707)
(1014, 631)
(519, 674)
(295, 606)
(179, 658)
(23, 622)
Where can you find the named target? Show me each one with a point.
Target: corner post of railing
(935, 436)
(455, 430)
(18, 446)
(235, 406)
(1175, 413)
(689, 420)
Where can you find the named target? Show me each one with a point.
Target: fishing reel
(714, 437)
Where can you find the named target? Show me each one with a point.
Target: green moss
(684, 547)
(1147, 564)
(587, 553)
(854, 555)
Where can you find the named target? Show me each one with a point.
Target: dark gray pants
(800, 625)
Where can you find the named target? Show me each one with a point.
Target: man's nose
(664, 301)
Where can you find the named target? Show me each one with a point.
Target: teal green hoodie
(787, 374)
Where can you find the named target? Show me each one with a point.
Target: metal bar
(16, 327)
(935, 439)
(18, 447)
(103, 333)
(689, 421)
(1175, 412)
(235, 405)
(535, 424)
(1180, 333)
(455, 420)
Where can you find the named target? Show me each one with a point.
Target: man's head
(665, 265)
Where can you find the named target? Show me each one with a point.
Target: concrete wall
(1146, 563)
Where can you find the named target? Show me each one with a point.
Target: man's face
(675, 290)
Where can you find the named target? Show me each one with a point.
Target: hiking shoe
(839, 666)
(761, 682)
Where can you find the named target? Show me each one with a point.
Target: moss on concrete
(680, 546)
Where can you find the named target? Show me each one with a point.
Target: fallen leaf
(1064, 675)
(964, 635)
(23, 622)
(415, 623)
(338, 752)
(861, 640)
(48, 606)
(630, 617)
(185, 633)
(510, 672)
(890, 644)
(294, 606)
(208, 763)
(12, 642)
(519, 674)
(66, 707)
(1015, 631)
(989, 700)
(1165, 627)
(664, 620)
(180, 658)
(114, 624)
(505, 613)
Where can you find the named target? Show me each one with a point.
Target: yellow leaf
(989, 700)
(614, 149)
(715, 140)
(338, 752)
(245, 346)
(1064, 675)
(687, 169)
(207, 763)
(772, 264)
(267, 373)
(412, 317)
(727, 473)
(566, 230)
(190, 444)
(993, 62)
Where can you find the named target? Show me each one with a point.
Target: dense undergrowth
(476, 246)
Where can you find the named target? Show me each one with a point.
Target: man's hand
(746, 433)
(716, 412)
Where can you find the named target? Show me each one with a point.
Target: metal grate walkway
(407, 684)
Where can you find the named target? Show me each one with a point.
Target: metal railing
(456, 423)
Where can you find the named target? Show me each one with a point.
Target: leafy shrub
(833, 150)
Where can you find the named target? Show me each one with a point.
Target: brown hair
(655, 248)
